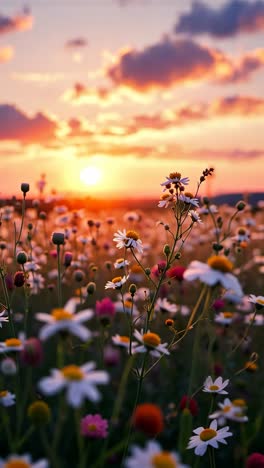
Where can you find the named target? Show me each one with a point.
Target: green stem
(59, 277)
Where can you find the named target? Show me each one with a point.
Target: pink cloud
(20, 22)
(6, 54)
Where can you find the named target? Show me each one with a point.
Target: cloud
(80, 94)
(171, 62)
(20, 22)
(76, 43)
(17, 126)
(164, 64)
(244, 67)
(6, 54)
(230, 19)
(242, 106)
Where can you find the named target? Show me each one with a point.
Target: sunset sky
(133, 89)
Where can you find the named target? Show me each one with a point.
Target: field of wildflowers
(132, 339)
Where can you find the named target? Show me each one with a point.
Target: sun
(90, 175)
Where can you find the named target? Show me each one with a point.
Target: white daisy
(121, 263)
(257, 300)
(64, 320)
(208, 436)
(150, 342)
(31, 266)
(22, 461)
(128, 239)
(195, 217)
(7, 398)
(215, 387)
(166, 200)
(255, 319)
(79, 382)
(122, 340)
(225, 318)
(163, 305)
(116, 283)
(152, 456)
(3, 318)
(216, 270)
(13, 344)
(229, 411)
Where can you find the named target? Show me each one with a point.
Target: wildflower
(176, 179)
(255, 460)
(255, 319)
(152, 456)
(7, 398)
(22, 461)
(225, 318)
(163, 305)
(215, 387)
(128, 239)
(65, 320)
(216, 270)
(166, 200)
(121, 340)
(39, 413)
(257, 300)
(80, 383)
(190, 403)
(176, 273)
(195, 217)
(19, 279)
(94, 426)
(229, 410)
(208, 436)
(3, 318)
(111, 356)
(32, 353)
(150, 342)
(105, 308)
(116, 282)
(169, 323)
(189, 200)
(12, 344)
(121, 263)
(148, 418)
(8, 366)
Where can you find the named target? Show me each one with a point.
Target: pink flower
(105, 308)
(176, 273)
(94, 426)
(255, 460)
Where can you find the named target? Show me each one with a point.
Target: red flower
(255, 460)
(190, 403)
(176, 273)
(148, 418)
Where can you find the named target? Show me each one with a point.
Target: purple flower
(94, 426)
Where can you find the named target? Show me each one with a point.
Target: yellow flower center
(213, 388)
(91, 427)
(3, 393)
(207, 434)
(260, 301)
(132, 235)
(239, 402)
(251, 366)
(72, 372)
(61, 314)
(228, 314)
(165, 196)
(124, 339)
(10, 342)
(241, 231)
(188, 194)
(226, 409)
(151, 339)
(128, 304)
(175, 175)
(163, 460)
(117, 279)
(136, 269)
(220, 263)
(16, 463)
(120, 261)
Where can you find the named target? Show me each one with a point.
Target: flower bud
(166, 250)
(67, 259)
(21, 257)
(42, 215)
(147, 271)
(30, 226)
(240, 206)
(24, 188)
(78, 276)
(39, 413)
(132, 289)
(32, 352)
(58, 238)
(178, 255)
(217, 247)
(19, 279)
(91, 288)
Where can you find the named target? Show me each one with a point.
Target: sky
(107, 97)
